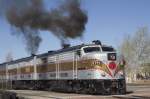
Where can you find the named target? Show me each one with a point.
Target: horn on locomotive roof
(65, 46)
(97, 42)
(33, 55)
(51, 51)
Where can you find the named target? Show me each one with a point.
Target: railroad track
(29, 94)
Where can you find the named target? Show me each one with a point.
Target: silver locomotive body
(91, 68)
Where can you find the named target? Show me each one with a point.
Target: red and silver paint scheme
(93, 67)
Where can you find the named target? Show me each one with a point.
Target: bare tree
(136, 50)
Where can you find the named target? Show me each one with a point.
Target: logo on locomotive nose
(112, 65)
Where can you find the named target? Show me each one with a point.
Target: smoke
(28, 17)
(69, 20)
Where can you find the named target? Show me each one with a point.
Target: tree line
(136, 51)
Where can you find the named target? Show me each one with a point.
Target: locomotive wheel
(92, 89)
(77, 88)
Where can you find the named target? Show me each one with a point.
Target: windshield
(91, 49)
(108, 49)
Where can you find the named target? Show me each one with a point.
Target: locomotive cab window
(91, 49)
(108, 49)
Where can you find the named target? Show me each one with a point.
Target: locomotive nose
(111, 57)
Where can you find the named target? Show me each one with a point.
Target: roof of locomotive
(68, 49)
(49, 53)
(17, 60)
(61, 50)
(43, 55)
(2, 64)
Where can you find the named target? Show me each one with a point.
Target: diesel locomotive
(86, 68)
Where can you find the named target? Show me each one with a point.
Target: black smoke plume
(65, 21)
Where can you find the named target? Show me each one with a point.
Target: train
(91, 68)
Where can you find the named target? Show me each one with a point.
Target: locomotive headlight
(121, 73)
(103, 74)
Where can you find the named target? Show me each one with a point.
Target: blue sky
(109, 21)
